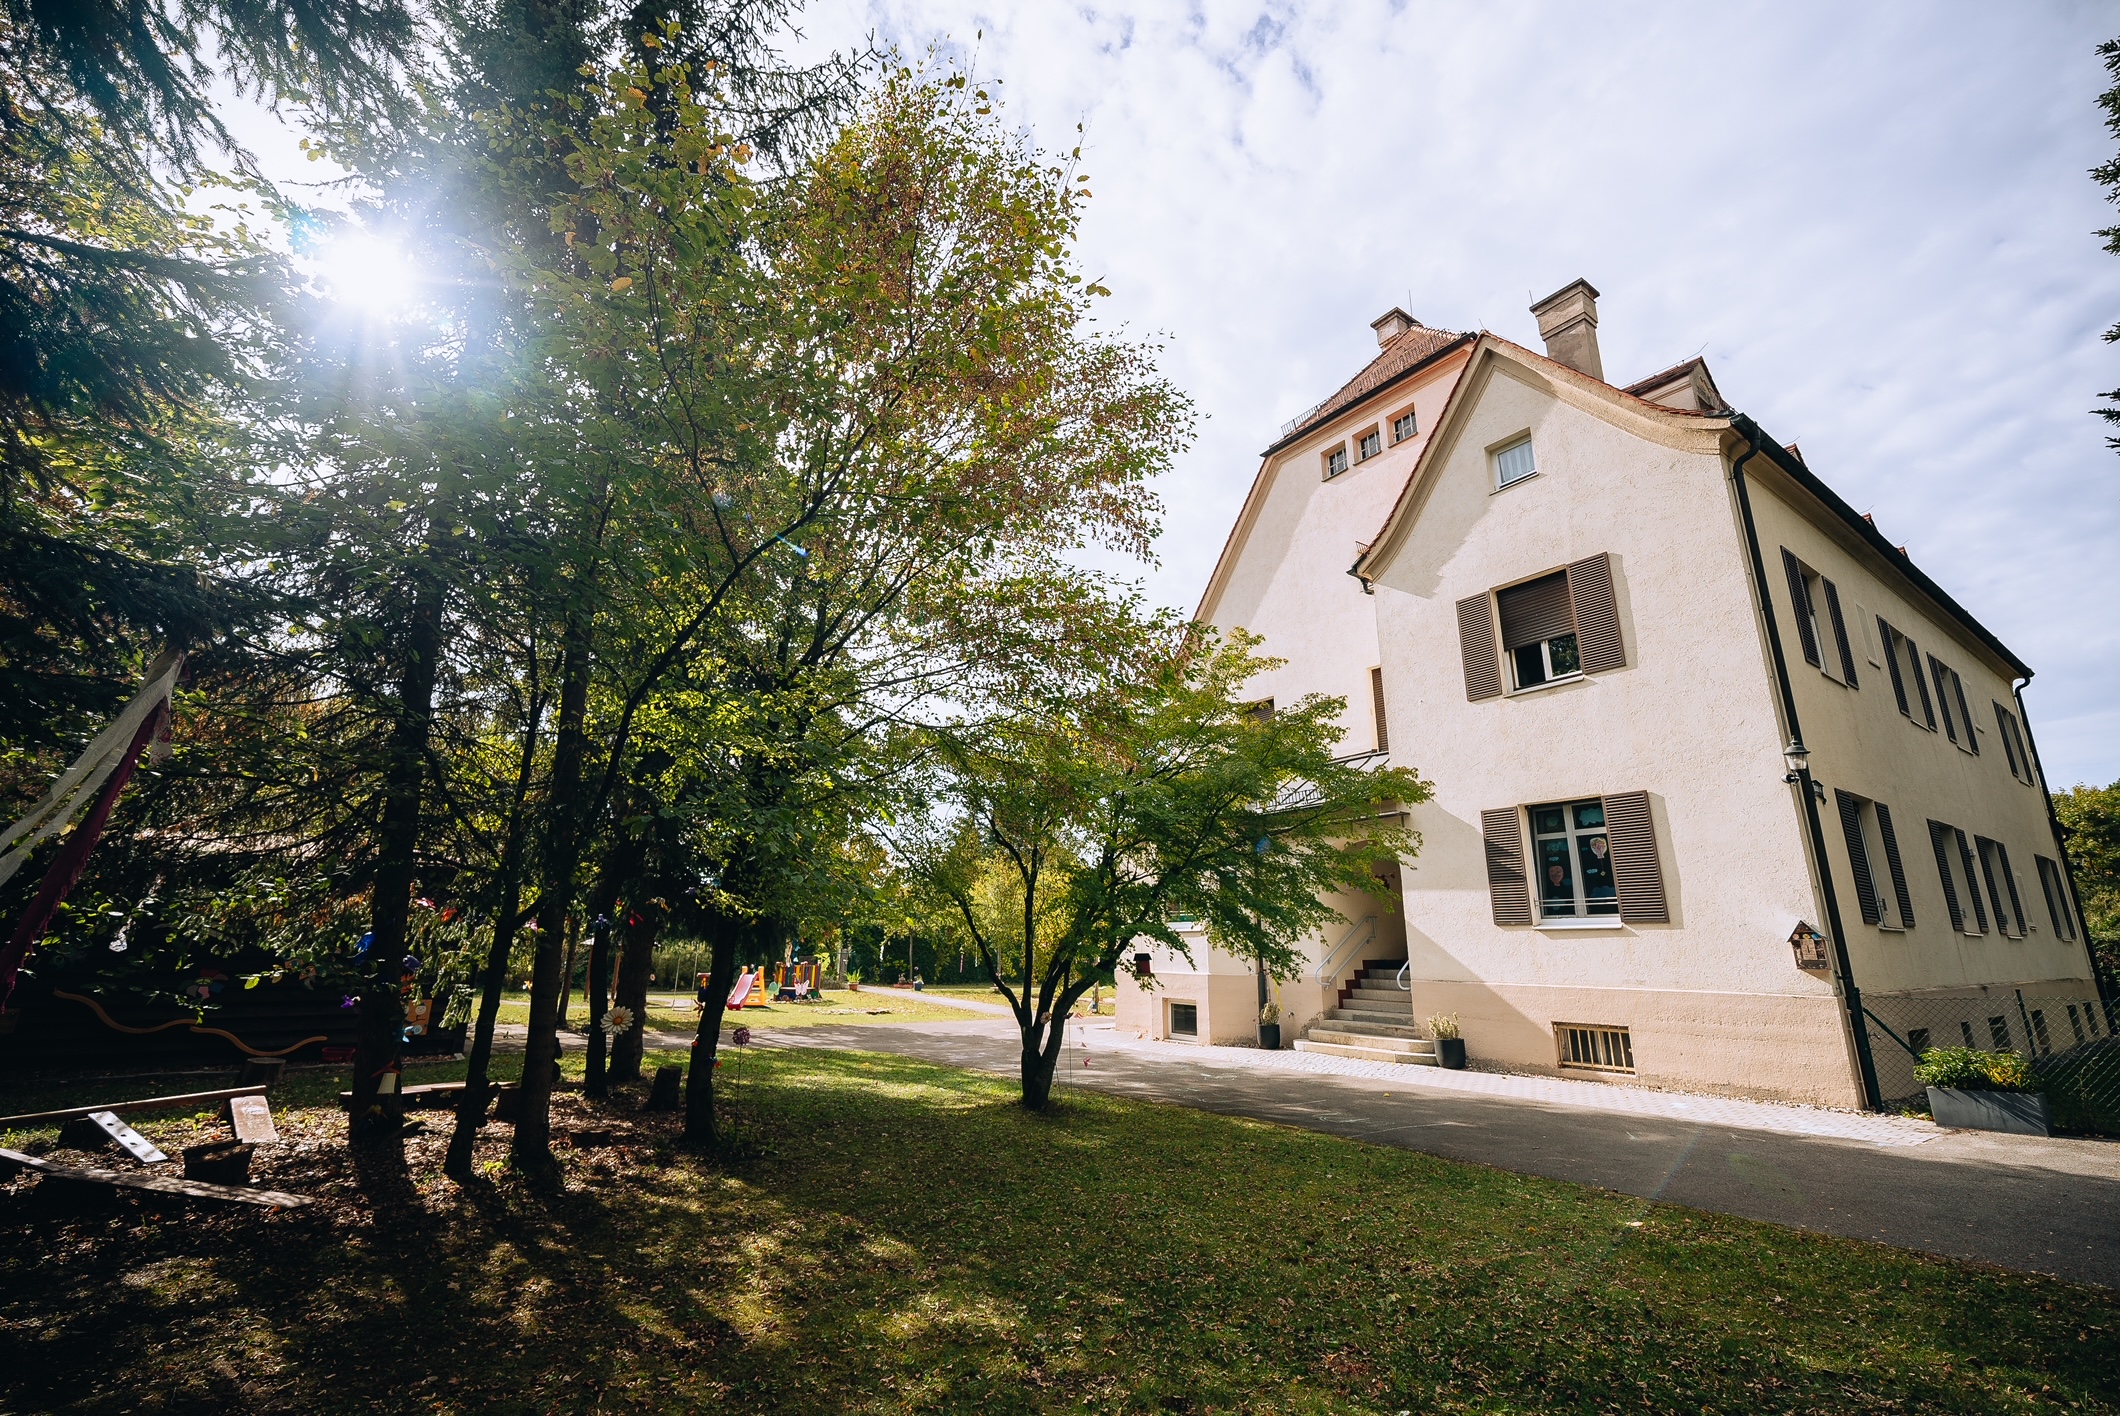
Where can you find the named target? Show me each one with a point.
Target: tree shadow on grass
(894, 1235)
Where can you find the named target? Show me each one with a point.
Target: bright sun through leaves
(370, 273)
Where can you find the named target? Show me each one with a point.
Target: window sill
(1575, 926)
(1549, 683)
(1528, 477)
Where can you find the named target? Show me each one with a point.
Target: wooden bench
(160, 1182)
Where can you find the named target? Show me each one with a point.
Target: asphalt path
(2040, 1206)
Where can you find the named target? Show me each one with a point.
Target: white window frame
(1503, 450)
(1881, 882)
(1333, 455)
(1170, 1019)
(1581, 907)
(1545, 659)
(1405, 425)
(1362, 449)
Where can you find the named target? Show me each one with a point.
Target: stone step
(1381, 993)
(1347, 1037)
(1398, 1016)
(1367, 1054)
(1399, 1028)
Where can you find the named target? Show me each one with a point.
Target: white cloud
(1876, 221)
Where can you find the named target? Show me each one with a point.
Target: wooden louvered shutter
(1972, 878)
(2056, 892)
(1965, 714)
(1891, 663)
(1506, 886)
(1986, 856)
(1858, 855)
(1483, 671)
(1840, 634)
(1597, 638)
(1943, 697)
(1637, 866)
(1940, 838)
(1899, 870)
(1800, 606)
(1921, 685)
(1376, 698)
(2016, 740)
(2002, 730)
(2009, 880)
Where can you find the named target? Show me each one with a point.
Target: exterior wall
(1713, 999)
(1861, 743)
(1287, 581)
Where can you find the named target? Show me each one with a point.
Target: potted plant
(1449, 1043)
(1270, 1027)
(1983, 1091)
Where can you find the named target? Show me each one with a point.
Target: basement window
(1184, 1020)
(1589, 1047)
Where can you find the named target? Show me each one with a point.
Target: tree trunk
(729, 936)
(1042, 1042)
(378, 1110)
(599, 993)
(636, 965)
(566, 976)
(471, 1107)
(532, 1150)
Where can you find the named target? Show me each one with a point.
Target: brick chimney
(1567, 321)
(1391, 324)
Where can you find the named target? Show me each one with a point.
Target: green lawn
(894, 1236)
(672, 1012)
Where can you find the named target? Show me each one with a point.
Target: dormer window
(1335, 462)
(1371, 444)
(1404, 426)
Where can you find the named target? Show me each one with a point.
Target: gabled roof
(1647, 414)
(1401, 359)
(1686, 386)
(1406, 352)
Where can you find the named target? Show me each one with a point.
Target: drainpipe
(1850, 994)
(2103, 984)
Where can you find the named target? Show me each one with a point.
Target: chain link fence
(2070, 1040)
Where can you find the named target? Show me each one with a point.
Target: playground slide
(742, 990)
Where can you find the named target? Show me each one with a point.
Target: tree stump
(669, 1089)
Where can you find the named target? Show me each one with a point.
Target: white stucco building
(1598, 618)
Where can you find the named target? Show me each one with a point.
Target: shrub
(1969, 1069)
(1443, 1027)
(1269, 1015)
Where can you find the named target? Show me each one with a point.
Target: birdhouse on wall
(1810, 947)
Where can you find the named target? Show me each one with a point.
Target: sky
(1875, 221)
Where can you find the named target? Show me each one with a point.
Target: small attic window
(1372, 443)
(1404, 426)
(1514, 463)
(1335, 461)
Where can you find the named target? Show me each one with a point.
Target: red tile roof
(1411, 348)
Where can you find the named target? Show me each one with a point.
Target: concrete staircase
(1374, 1020)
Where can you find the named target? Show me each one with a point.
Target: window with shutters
(1951, 705)
(1538, 631)
(1335, 459)
(1821, 626)
(1874, 861)
(2054, 886)
(1404, 426)
(1376, 699)
(1571, 855)
(1368, 445)
(2003, 901)
(2006, 728)
(1513, 463)
(1903, 661)
(1958, 873)
(1558, 627)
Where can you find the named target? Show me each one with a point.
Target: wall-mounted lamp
(1797, 756)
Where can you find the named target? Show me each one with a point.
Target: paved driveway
(2049, 1207)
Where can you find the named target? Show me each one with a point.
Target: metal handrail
(1328, 967)
(1404, 986)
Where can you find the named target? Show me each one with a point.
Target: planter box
(1270, 1036)
(1450, 1052)
(2019, 1113)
